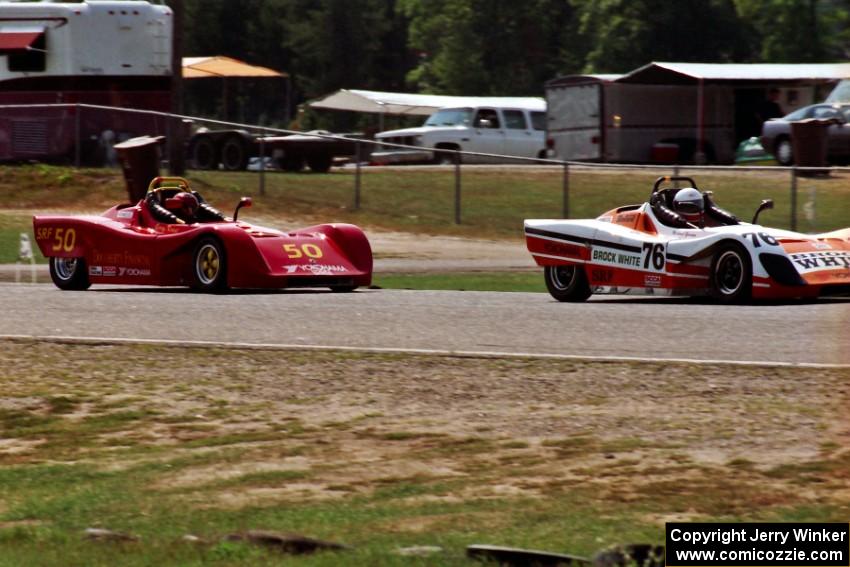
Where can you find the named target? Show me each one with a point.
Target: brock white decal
(616, 257)
(815, 261)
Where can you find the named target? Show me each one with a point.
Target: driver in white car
(690, 204)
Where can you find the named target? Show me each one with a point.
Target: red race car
(172, 237)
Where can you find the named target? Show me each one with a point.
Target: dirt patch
(253, 427)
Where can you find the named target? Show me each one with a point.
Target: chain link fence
(493, 199)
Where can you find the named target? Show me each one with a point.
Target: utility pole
(176, 151)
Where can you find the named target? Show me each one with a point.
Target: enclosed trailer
(673, 112)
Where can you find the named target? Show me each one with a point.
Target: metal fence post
(457, 188)
(262, 165)
(168, 138)
(794, 197)
(565, 205)
(357, 155)
(77, 140)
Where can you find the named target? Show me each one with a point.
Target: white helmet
(689, 203)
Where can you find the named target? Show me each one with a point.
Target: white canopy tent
(413, 104)
(666, 72)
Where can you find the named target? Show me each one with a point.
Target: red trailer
(104, 53)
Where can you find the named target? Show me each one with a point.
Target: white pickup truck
(518, 130)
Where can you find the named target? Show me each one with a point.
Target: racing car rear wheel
(69, 273)
(567, 283)
(731, 274)
(209, 265)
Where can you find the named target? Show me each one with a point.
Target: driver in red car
(690, 204)
(184, 206)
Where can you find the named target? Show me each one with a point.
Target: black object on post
(809, 142)
(139, 158)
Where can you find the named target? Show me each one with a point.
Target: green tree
(804, 31)
(626, 34)
(488, 47)
(323, 45)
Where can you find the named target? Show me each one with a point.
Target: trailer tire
(203, 154)
(234, 153)
(292, 163)
(320, 163)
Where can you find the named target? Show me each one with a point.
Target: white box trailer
(602, 120)
(666, 112)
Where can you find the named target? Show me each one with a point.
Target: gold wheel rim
(208, 264)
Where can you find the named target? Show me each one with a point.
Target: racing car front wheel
(567, 283)
(69, 273)
(210, 265)
(731, 274)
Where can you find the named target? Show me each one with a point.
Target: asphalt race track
(666, 328)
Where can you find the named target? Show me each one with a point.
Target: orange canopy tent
(222, 67)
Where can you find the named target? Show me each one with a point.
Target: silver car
(776, 133)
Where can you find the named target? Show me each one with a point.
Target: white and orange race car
(682, 243)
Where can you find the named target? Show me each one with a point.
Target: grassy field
(494, 203)
(387, 451)
(477, 281)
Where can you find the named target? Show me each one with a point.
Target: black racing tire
(204, 154)
(234, 153)
(731, 274)
(209, 265)
(69, 273)
(292, 163)
(567, 283)
(320, 163)
(783, 150)
(343, 288)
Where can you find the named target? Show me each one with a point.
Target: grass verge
(383, 451)
(463, 281)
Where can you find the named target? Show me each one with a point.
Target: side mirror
(243, 202)
(765, 204)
